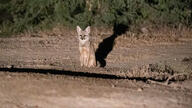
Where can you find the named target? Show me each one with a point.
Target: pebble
(140, 89)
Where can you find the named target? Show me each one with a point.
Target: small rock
(113, 85)
(8, 76)
(10, 66)
(144, 30)
(140, 89)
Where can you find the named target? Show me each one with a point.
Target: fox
(86, 48)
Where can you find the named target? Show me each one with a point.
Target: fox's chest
(84, 49)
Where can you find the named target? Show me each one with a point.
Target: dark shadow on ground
(70, 73)
(106, 46)
(61, 72)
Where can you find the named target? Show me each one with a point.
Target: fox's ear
(78, 29)
(87, 29)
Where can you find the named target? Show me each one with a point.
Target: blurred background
(31, 15)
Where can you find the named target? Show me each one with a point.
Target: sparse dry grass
(151, 36)
(128, 39)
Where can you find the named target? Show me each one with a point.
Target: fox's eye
(80, 35)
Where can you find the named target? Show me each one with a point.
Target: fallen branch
(168, 79)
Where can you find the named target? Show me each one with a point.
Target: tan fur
(87, 52)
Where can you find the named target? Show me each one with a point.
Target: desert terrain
(40, 71)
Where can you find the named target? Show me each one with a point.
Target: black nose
(82, 38)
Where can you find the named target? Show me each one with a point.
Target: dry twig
(168, 79)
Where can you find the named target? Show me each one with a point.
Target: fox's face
(83, 35)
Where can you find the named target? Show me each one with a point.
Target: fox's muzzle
(82, 37)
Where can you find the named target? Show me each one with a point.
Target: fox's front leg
(81, 59)
(85, 60)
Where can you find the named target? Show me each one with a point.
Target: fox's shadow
(106, 46)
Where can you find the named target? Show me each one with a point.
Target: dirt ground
(44, 72)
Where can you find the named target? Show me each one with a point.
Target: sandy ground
(44, 72)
